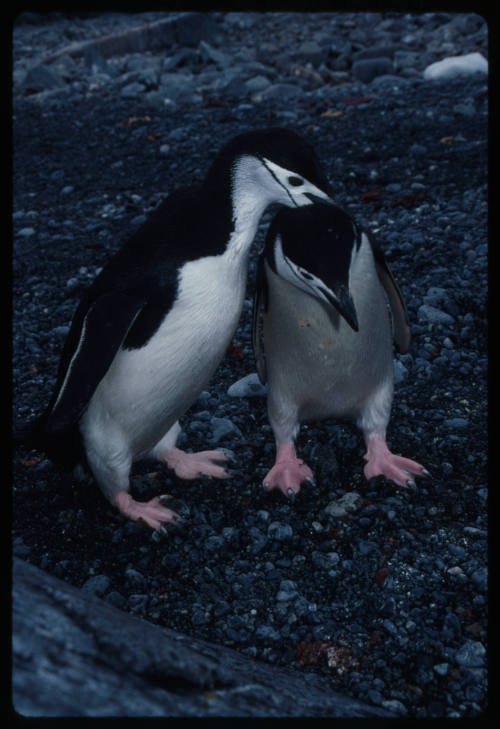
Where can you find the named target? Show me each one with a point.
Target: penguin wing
(259, 302)
(400, 319)
(93, 341)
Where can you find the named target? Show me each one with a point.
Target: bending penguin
(151, 329)
(327, 338)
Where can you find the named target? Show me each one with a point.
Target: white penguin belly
(146, 390)
(315, 360)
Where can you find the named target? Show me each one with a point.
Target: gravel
(381, 589)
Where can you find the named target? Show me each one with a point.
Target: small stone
(256, 84)
(456, 66)
(223, 428)
(248, 386)
(400, 372)
(347, 504)
(441, 669)
(288, 590)
(368, 69)
(267, 632)
(97, 585)
(279, 531)
(434, 315)
(471, 654)
(134, 577)
(26, 232)
(281, 91)
(395, 706)
(40, 78)
(456, 423)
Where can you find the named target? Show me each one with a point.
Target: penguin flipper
(259, 302)
(93, 344)
(400, 318)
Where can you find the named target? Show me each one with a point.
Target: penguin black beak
(344, 304)
(317, 199)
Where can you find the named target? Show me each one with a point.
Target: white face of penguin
(258, 183)
(297, 188)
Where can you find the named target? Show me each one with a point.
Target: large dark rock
(75, 655)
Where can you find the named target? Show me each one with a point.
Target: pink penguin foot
(152, 513)
(195, 465)
(381, 462)
(288, 472)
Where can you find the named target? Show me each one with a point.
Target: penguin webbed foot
(381, 462)
(288, 473)
(196, 465)
(151, 513)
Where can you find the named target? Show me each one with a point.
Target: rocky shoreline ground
(379, 590)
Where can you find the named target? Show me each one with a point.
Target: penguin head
(313, 248)
(271, 166)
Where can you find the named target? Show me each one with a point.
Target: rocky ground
(380, 589)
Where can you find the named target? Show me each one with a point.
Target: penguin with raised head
(327, 338)
(151, 329)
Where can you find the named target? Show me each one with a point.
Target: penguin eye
(295, 181)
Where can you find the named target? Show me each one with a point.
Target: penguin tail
(63, 449)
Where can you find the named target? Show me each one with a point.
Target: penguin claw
(286, 476)
(196, 465)
(150, 513)
(381, 462)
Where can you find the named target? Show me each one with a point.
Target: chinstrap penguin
(151, 329)
(327, 338)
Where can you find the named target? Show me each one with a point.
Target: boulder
(75, 655)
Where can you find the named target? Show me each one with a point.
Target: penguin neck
(238, 207)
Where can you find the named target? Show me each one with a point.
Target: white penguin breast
(146, 390)
(314, 358)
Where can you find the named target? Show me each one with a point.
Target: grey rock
(248, 386)
(406, 59)
(176, 85)
(395, 706)
(223, 428)
(480, 578)
(267, 633)
(133, 90)
(456, 423)
(471, 654)
(41, 78)
(441, 668)
(26, 232)
(434, 315)
(134, 578)
(279, 531)
(70, 651)
(288, 590)
(257, 83)
(325, 560)
(281, 90)
(311, 52)
(367, 70)
(380, 51)
(400, 372)
(97, 585)
(207, 53)
(388, 80)
(349, 503)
